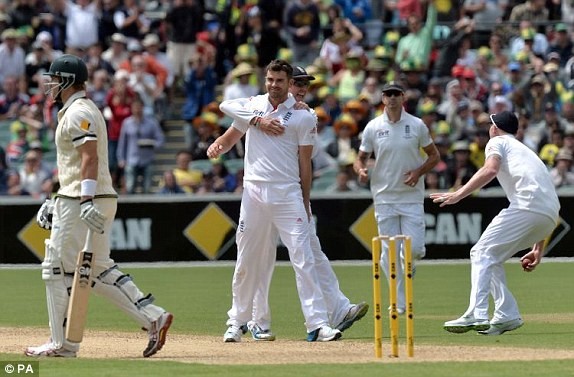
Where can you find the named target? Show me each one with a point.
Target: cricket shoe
(258, 333)
(48, 350)
(501, 328)
(323, 334)
(465, 324)
(157, 334)
(233, 333)
(355, 313)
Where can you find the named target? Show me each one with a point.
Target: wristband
(88, 187)
(257, 122)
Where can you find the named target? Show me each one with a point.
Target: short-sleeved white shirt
(524, 177)
(275, 159)
(396, 147)
(80, 121)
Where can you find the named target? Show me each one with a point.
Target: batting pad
(122, 291)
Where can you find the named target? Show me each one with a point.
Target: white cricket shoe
(259, 334)
(355, 313)
(48, 350)
(323, 334)
(233, 333)
(157, 334)
(465, 324)
(501, 328)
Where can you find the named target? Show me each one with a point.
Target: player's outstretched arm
(224, 143)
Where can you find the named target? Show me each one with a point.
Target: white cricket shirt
(275, 159)
(396, 147)
(524, 177)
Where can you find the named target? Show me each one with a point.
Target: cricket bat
(80, 294)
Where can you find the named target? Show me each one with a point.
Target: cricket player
(86, 199)
(342, 314)
(530, 217)
(276, 198)
(397, 178)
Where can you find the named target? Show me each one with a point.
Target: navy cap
(300, 73)
(392, 85)
(506, 121)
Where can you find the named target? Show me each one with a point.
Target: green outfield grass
(200, 297)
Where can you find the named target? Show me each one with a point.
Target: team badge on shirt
(407, 132)
(85, 125)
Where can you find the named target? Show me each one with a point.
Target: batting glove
(93, 218)
(44, 216)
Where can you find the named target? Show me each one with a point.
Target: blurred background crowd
(159, 69)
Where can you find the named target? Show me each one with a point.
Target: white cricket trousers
(338, 305)
(401, 219)
(510, 231)
(265, 209)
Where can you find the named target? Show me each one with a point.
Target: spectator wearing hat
(37, 62)
(207, 130)
(240, 86)
(12, 57)
(549, 150)
(562, 174)
(349, 80)
(152, 66)
(117, 53)
(183, 21)
(417, 44)
(140, 137)
(529, 42)
(144, 84)
(18, 145)
(119, 104)
(333, 50)
(536, 96)
(303, 27)
(397, 174)
(33, 177)
(562, 44)
(46, 40)
(426, 110)
(515, 79)
(325, 132)
(151, 44)
(358, 111)
(345, 147)
(459, 168)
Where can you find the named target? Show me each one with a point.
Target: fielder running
(531, 216)
(86, 199)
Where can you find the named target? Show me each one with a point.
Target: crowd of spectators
(458, 61)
